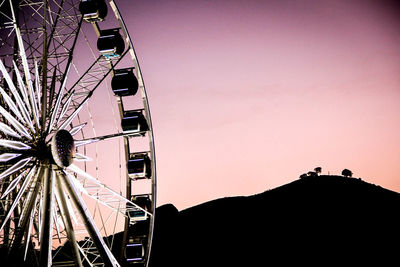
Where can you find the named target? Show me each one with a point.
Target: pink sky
(247, 95)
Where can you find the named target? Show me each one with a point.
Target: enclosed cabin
(110, 43)
(124, 82)
(139, 166)
(135, 250)
(93, 10)
(134, 121)
(135, 214)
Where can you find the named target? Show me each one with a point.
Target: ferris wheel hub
(63, 148)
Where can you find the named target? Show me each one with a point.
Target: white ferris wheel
(77, 159)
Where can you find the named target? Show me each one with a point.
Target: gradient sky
(247, 95)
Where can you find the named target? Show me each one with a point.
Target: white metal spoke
(23, 107)
(17, 166)
(33, 102)
(105, 137)
(30, 201)
(72, 116)
(10, 103)
(57, 105)
(25, 65)
(85, 142)
(23, 115)
(65, 107)
(8, 156)
(14, 144)
(16, 124)
(19, 195)
(37, 84)
(81, 157)
(8, 130)
(22, 87)
(77, 128)
(8, 78)
(13, 184)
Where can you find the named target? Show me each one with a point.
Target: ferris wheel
(77, 158)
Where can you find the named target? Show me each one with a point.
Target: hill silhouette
(319, 220)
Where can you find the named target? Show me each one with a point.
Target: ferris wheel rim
(147, 109)
(39, 170)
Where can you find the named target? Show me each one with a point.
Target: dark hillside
(315, 220)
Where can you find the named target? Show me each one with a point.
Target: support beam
(47, 217)
(104, 251)
(67, 221)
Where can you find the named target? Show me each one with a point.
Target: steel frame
(38, 39)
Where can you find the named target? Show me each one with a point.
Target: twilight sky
(247, 95)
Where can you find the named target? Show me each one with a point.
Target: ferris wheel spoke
(77, 128)
(66, 217)
(23, 115)
(58, 103)
(25, 65)
(14, 168)
(8, 130)
(37, 87)
(16, 124)
(65, 107)
(18, 197)
(29, 204)
(81, 157)
(15, 145)
(10, 103)
(72, 116)
(14, 183)
(8, 156)
(87, 219)
(33, 183)
(87, 141)
(22, 89)
(33, 103)
(21, 106)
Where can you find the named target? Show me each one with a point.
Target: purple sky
(247, 95)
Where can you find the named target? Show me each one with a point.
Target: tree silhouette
(318, 170)
(304, 175)
(312, 174)
(347, 173)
